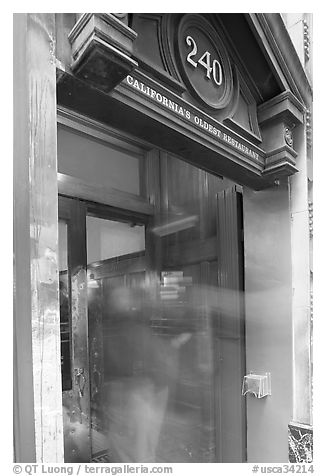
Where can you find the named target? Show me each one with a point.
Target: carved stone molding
(277, 119)
(308, 128)
(288, 136)
(121, 16)
(311, 219)
(285, 106)
(306, 40)
(102, 46)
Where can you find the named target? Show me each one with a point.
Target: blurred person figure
(144, 370)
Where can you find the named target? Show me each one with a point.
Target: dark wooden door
(209, 252)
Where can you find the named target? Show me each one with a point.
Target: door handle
(96, 379)
(80, 380)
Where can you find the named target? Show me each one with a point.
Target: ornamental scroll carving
(288, 136)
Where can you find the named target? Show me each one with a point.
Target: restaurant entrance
(152, 324)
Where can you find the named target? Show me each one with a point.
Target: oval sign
(205, 66)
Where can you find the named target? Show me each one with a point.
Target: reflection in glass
(146, 399)
(116, 258)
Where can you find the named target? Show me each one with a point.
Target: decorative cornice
(102, 47)
(281, 168)
(171, 123)
(120, 15)
(285, 106)
(157, 96)
(281, 162)
(278, 46)
(109, 19)
(277, 118)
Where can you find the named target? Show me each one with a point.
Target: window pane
(107, 239)
(94, 161)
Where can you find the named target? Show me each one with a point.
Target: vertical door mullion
(230, 334)
(77, 400)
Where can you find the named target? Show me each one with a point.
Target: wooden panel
(211, 253)
(153, 188)
(182, 191)
(189, 252)
(186, 190)
(73, 187)
(38, 192)
(215, 185)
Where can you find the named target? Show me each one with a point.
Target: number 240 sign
(213, 67)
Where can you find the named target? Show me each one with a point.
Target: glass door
(138, 361)
(116, 278)
(102, 275)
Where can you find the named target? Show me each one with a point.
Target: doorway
(100, 253)
(180, 343)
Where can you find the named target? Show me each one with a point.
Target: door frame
(76, 400)
(139, 210)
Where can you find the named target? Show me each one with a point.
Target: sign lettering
(205, 62)
(189, 116)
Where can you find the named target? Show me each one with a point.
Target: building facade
(151, 148)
